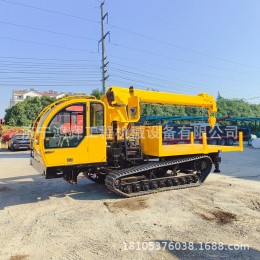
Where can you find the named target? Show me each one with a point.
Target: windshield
(39, 127)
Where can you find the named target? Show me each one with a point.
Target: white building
(21, 95)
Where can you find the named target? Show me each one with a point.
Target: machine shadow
(33, 188)
(206, 251)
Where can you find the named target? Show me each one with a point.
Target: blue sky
(179, 46)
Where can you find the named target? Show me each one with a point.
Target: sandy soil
(50, 219)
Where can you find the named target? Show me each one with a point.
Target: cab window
(67, 127)
(96, 118)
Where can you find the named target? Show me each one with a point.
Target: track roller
(169, 183)
(137, 187)
(154, 185)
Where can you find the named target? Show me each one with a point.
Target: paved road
(242, 164)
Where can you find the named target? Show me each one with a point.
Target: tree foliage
(96, 93)
(237, 108)
(25, 112)
(226, 107)
(162, 110)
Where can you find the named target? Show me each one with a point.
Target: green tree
(226, 107)
(236, 108)
(25, 112)
(96, 93)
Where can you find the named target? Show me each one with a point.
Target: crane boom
(124, 105)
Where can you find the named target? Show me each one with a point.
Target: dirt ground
(50, 219)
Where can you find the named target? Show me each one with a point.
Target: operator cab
(70, 136)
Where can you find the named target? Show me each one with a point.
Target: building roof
(50, 93)
(20, 92)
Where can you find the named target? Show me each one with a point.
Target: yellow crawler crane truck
(80, 134)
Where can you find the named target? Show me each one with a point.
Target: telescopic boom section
(124, 105)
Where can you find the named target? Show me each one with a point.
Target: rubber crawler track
(112, 177)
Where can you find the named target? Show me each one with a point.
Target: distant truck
(217, 135)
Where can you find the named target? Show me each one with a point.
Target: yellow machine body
(82, 134)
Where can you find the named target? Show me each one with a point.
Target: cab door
(65, 139)
(96, 133)
(75, 135)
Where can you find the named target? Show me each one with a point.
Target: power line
(126, 82)
(180, 80)
(112, 43)
(121, 58)
(149, 83)
(46, 44)
(50, 66)
(89, 74)
(180, 47)
(19, 62)
(51, 11)
(163, 22)
(169, 82)
(67, 73)
(161, 84)
(51, 76)
(47, 59)
(49, 82)
(47, 69)
(47, 64)
(129, 31)
(159, 66)
(76, 66)
(48, 31)
(166, 88)
(164, 76)
(123, 46)
(168, 57)
(145, 85)
(60, 72)
(44, 85)
(54, 83)
(247, 82)
(72, 73)
(122, 29)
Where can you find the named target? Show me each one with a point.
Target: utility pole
(104, 57)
